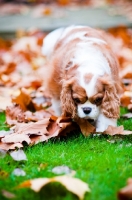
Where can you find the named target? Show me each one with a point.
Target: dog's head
(89, 90)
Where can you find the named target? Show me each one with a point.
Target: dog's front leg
(103, 122)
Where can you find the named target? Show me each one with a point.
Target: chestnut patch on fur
(88, 77)
(97, 99)
(78, 94)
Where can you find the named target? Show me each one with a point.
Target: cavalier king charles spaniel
(82, 75)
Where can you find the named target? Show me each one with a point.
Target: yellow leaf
(74, 185)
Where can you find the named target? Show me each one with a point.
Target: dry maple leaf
(16, 138)
(111, 130)
(14, 114)
(85, 126)
(126, 192)
(10, 146)
(74, 185)
(24, 100)
(35, 132)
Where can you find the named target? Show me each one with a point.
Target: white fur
(70, 28)
(92, 115)
(103, 122)
(91, 60)
(50, 41)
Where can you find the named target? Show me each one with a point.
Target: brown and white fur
(82, 75)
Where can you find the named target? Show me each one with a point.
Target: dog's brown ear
(67, 103)
(111, 102)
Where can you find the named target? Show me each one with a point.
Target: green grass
(104, 165)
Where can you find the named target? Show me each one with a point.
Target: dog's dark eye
(98, 100)
(77, 101)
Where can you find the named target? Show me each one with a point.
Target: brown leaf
(61, 126)
(8, 195)
(4, 133)
(85, 126)
(36, 128)
(14, 114)
(16, 138)
(72, 184)
(117, 131)
(35, 132)
(10, 146)
(126, 192)
(24, 100)
(36, 116)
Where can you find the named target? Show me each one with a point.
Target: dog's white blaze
(92, 115)
(90, 58)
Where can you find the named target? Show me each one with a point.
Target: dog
(82, 75)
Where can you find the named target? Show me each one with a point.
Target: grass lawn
(103, 162)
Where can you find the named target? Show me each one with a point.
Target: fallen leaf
(62, 170)
(19, 172)
(127, 116)
(18, 155)
(10, 146)
(40, 131)
(111, 130)
(126, 192)
(16, 138)
(24, 100)
(15, 114)
(2, 153)
(36, 128)
(42, 166)
(4, 102)
(7, 194)
(74, 185)
(4, 133)
(3, 174)
(85, 126)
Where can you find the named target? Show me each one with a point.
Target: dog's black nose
(87, 110)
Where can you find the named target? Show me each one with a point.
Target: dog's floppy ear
(67, 103)
(111, 102)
